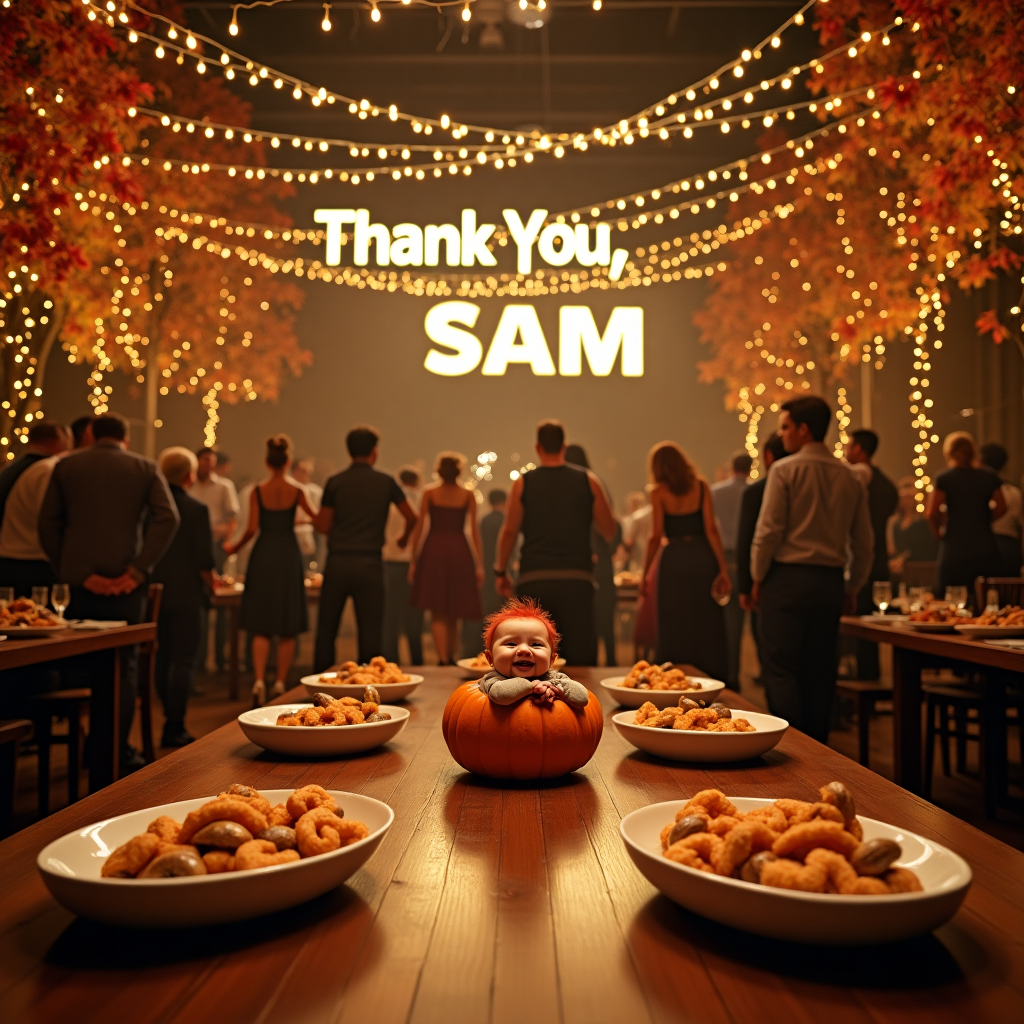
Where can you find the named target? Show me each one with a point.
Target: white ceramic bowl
(629, 697)
(471, 671)
(804, 916)
(388, 691)
(70, 868)
(678, 745)
(259, 725)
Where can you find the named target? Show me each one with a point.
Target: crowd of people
(795, 548)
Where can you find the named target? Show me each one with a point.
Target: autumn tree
(64, 101)
(920, 191)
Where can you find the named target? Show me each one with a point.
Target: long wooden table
(104, 708)
(912, 652)
(503, 903)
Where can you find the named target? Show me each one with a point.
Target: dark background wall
(584, 69)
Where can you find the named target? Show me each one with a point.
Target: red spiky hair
(521, 608)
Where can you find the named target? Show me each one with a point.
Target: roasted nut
(370, 695)
(751, 870)
(379, 716)
(225, 835)
(686, 827)
(281, 836)
(666, 666)
(875, 856)
(321, 700)
(721, 709)
(176, 864)
(237, 789)
(688, 704)
(837, 794)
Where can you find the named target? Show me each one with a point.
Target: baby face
(520, 648)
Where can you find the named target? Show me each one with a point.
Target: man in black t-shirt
(353, 514)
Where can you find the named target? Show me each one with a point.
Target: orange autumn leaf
(989, 323)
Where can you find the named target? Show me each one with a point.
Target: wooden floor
(958, 794)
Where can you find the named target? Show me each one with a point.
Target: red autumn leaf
(989, 323)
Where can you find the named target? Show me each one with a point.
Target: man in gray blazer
(106, 519)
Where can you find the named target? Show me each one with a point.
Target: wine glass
(6, 596)
(41, 596)
(917, 596)
(61, 597)
(957, 596)
(881, 594)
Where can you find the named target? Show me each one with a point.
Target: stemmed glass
(881, 594)
(61, 597)
(917, 596)
(957, 596)
(41, 596)
(6, 596)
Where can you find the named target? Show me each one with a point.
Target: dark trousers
(361, 578)
(605, 601)
(799, 614)
(866, 651)
(399, 615)
(129, 607)
(733, 626)
(571, 604)
(178, 637)
(25, 573)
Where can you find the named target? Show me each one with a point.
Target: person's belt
(548, 575)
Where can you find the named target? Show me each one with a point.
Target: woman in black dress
(965, 501)
(274, 601)
(693, 576)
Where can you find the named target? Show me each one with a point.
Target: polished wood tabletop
(914, 651)
(105, 704)
(505, 903)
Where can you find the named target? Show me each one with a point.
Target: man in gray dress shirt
(814, 519)
(106, 519)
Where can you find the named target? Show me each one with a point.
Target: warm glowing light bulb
(374, 13)
(466, 13)
(326, 23)
(597, 5)
(233, 27)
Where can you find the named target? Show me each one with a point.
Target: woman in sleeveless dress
(274, 600)
(445, 574)
(961, 509)
(692, 573)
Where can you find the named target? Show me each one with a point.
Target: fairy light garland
(232, 62)
(507, 150)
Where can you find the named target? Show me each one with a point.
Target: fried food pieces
(645, 676)
(23, 612)
(341, 711)
(232, 832)
(808, 846)
(711, 719)
(376, 672)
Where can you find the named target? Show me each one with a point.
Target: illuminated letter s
(439, 325)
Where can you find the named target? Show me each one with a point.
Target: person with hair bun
(274, 601)
(446, 575)
(961, 509)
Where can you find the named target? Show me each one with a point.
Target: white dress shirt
(19, 535)
(815, 512)
(1010, 523)
(304, 531)
(395, 527)
(726, 497)
(218, 494)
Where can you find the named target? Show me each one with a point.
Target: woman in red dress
(446, 575)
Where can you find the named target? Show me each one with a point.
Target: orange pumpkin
(525, 740)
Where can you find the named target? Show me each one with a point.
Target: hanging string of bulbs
(232, 63)
(504, 151)
(374, 8)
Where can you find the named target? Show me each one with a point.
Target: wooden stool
(12, 732)
(864, 694)
(74, 706)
